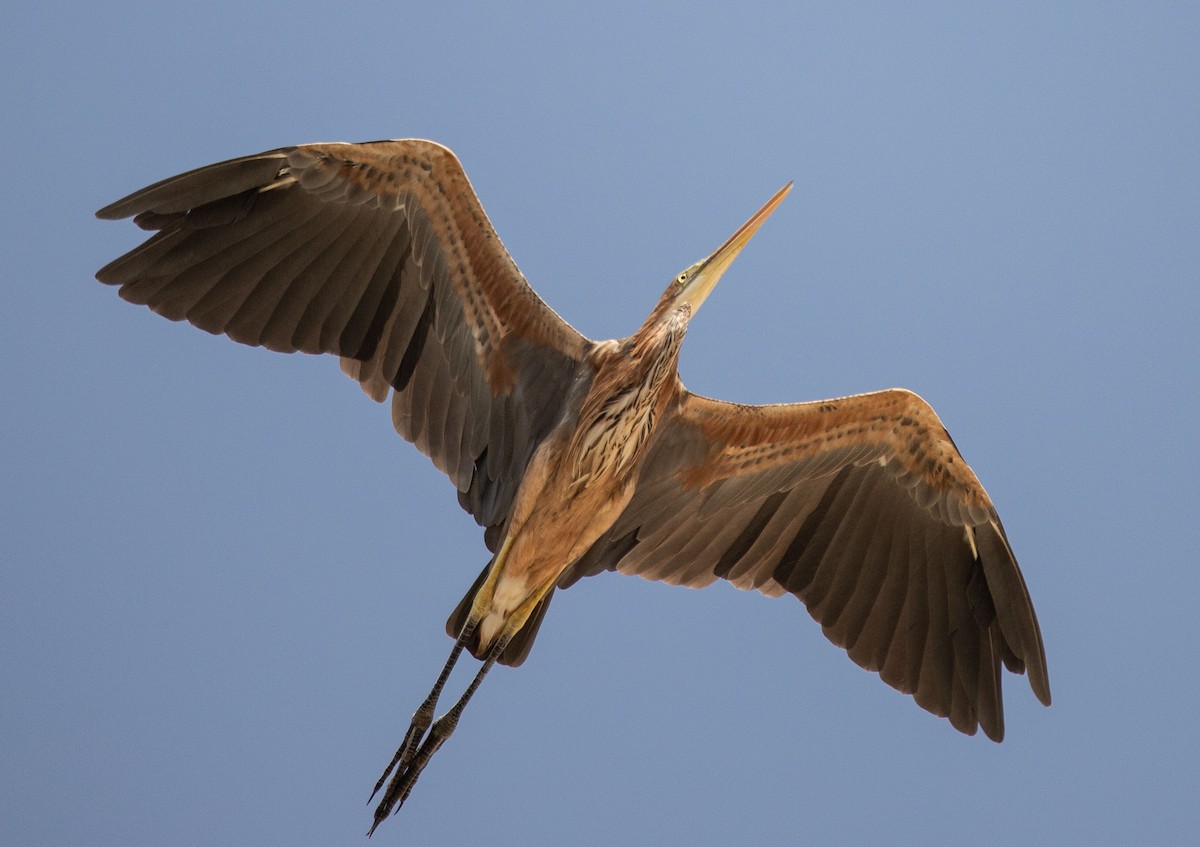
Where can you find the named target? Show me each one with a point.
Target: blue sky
(223, 578)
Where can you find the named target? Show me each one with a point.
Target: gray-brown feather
(327, 249)
(881, 560)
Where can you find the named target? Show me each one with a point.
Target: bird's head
(693, 284)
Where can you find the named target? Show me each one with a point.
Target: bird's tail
(518, 648)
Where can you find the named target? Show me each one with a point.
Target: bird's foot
(408, 764)
(425, 735)
(421, 720)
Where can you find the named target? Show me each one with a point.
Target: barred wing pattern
(379, 253)
(862, 508)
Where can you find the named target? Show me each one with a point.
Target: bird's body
(580, 456)
(582, 476)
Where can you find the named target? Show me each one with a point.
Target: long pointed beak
(711, 269)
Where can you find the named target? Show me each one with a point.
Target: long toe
(407, 774)
(421, 720)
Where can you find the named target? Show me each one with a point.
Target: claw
(406, 776)
(421, 720)
(425, 736)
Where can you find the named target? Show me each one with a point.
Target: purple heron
(581, 456)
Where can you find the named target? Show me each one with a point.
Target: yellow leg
(482, 604)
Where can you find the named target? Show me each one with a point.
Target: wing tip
(114, 211)
(1039, 681)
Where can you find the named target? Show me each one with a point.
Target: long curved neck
(633, 383)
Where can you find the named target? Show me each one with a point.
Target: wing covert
(381, 254)
(863, 509)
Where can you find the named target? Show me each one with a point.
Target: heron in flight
(580, 456)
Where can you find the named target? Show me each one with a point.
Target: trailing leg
(408, 768)
(423, 716)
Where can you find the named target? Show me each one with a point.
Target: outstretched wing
(381, 254)
(862, 508)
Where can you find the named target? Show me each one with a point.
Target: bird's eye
(681, 279)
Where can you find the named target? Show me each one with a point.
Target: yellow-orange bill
(715, 265)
